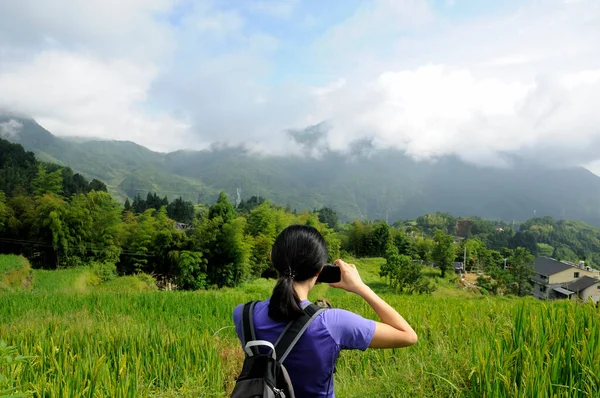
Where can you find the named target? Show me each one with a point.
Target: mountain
(126, 168)
(385, 184)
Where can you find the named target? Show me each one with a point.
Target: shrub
(105, 271)
(147, 280)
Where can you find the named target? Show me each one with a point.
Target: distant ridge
(386, 185)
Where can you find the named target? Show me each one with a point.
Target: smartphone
(330, 274)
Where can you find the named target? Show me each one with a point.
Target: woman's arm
(393, 331)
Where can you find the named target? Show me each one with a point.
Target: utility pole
(465, 259)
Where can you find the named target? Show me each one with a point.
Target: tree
(404, 244)
(47, 182)
(49, 224)
(262, 226)
(97, 185)
(329, 217)
(477, 254)
(17, 168)
(356, 238)
(127, 205)
(4, 211)
(424, 249)
(443, 251)
(222, 208)
(181, 211)
(103, 231)
(191, 270)
(139, 235)
(73, 183)
(442, 221)
(521, 268)
(525, 240)
(379, 239)
(246, 206)
(404, 274)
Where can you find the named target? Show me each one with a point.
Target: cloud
(10, 129)
(103, 27)
(388, 74)
(71, 94)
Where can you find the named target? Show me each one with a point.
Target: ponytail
(298, 254)
(285, 303)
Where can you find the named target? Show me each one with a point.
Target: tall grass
(130, 344)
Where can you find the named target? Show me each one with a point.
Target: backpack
(263, 374)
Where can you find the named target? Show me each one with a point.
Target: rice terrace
(65, 337)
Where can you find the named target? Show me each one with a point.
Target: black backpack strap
(248, 333)
(294, 330)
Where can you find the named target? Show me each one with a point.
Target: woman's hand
(351, 281)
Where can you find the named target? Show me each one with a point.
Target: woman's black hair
(298, 254)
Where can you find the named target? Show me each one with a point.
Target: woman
(299, 253)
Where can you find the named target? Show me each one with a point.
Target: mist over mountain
(367, 183)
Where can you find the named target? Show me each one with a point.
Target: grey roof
(563, 291)
(581, 284)
(549, 266)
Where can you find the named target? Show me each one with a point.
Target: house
(459, 268)
(552, 275)
(585, 288)
(182, 226)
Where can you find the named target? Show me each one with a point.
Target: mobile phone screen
(330, 274)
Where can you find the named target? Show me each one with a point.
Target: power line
(84, 246)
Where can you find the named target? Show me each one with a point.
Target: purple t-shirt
(311, 362)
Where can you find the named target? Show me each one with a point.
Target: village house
(585, 288)
(555, 279)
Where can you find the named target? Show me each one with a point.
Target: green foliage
(105, 271)
(11, 368)
(477, 254)
(545, 249)
(521, 269)
(367, 239)
(405, 274)
(17, 168)
(47, 182)
(181, 211)
(328, 216)
(424, 249)
(246, 206)
(222, 208)
(570, 240)
(429, 223)
(443, 253)
(4, 211)
(97, 185)
(192, 270)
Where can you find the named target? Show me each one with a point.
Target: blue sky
(475, 79)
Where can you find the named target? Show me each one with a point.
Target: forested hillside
(365, 184)
(57, 218)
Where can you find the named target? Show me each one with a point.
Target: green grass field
(110, 340)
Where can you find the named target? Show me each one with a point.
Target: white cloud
(436, 110)
(402, 76)
(105, 27)
(10, 129)
(72, 94)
